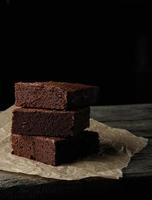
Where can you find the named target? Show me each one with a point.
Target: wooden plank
(142, 133)
(141, 128)
(122, 112)
(135, 118)
(8, 179)
(141, 163)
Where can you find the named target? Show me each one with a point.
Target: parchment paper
(118, 147)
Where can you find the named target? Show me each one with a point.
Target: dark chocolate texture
(49, 123)
(55, 95)
(54, 150)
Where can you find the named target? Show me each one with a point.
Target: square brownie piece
(49, 123)
(54, 150)
(55, 95)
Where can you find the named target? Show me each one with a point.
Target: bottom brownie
(55, 150)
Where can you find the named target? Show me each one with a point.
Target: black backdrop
(109, 46)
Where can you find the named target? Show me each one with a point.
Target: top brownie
(55, 95)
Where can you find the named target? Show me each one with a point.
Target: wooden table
(137, 177)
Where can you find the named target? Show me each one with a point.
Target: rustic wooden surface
(137, 119)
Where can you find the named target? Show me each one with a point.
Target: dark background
(105, 45)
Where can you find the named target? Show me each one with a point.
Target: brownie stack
(49, 125)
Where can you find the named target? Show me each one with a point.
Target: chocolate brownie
(49, 123)
(55, 95)
(54, 150)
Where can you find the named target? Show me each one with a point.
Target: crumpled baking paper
(118, 146)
